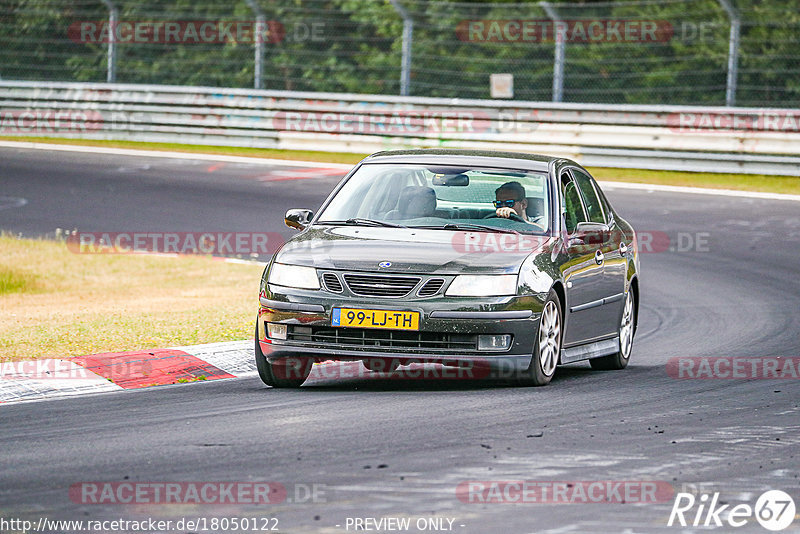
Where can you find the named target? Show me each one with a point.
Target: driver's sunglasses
(505, 203)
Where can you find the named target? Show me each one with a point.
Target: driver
(511, 201)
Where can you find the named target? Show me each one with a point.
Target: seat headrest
(535, 207)
(417, 201)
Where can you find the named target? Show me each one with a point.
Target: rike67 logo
(774, 510)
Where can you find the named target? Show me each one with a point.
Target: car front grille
(332, 282)
(380, 286)
(376, 339)
(431, 287)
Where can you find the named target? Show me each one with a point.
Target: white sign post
(502, 85)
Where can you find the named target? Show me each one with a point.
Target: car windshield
(446, 197)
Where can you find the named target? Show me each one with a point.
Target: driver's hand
(505, 212)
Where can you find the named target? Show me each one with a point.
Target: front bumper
(447, 326)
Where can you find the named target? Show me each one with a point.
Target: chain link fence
(697, 52)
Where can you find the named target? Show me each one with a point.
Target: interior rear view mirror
(450, 180)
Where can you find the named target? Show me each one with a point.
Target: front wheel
(546, 346)
(626, 330)
(289, 374)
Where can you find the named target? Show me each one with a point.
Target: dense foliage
(355, 46)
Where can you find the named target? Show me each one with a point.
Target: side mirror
(298, 218)
(589, 233)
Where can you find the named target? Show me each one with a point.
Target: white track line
(699, 191)
(173, 155)
(344, 166)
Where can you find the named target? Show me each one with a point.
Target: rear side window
(592, 201)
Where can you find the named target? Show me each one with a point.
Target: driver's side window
(571, 205)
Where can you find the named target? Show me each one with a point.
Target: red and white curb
(116, 371)
(50, 378)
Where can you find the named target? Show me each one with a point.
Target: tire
(546, 345)
(615, 362)
(282, 376)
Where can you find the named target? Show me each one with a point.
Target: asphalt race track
(400, 448)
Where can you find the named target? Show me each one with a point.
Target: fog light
(494, 342)
(276, 330)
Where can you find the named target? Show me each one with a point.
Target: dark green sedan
(504, 262)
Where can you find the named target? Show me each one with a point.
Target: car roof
(478, 158)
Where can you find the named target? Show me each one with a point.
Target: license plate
(390, 319)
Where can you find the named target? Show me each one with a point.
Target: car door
(614, 263)
(583, 274)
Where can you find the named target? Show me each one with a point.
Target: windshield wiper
(357, 221)
(470, 226)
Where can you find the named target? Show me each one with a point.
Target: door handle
(623, 249)
(598, 257)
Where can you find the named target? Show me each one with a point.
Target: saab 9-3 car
(510, 262)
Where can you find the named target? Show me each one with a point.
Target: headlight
(293, 276)
(480, 285)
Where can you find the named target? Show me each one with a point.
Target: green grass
(742, 182)
(68, 304)
(15, 280)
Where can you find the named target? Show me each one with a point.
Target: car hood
(409, 250)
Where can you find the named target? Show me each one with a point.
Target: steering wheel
(517, 218)
(512, 217)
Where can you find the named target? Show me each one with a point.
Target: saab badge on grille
(385, 264)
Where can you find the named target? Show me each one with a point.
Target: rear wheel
(291, 373)
(626, 330)
(546, 345)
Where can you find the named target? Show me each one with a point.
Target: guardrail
(721, 139)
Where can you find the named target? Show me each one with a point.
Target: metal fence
(700, 52)
(721, 139)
